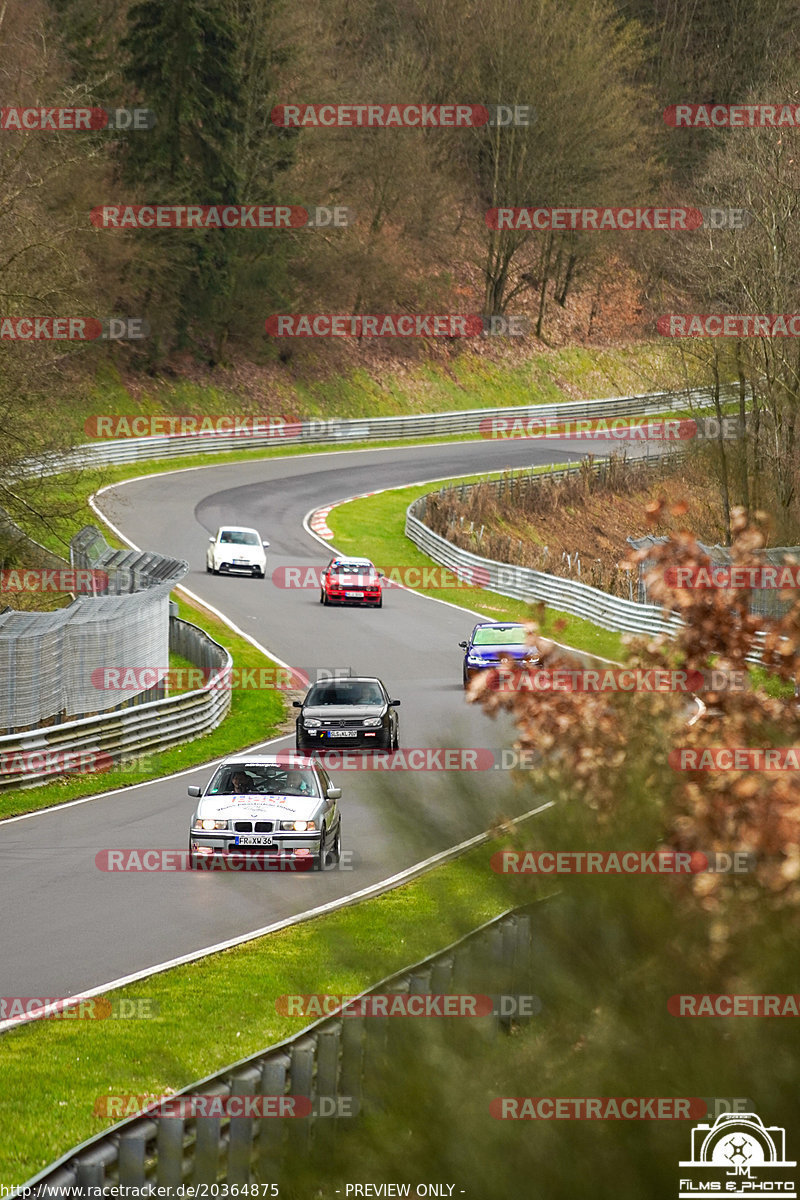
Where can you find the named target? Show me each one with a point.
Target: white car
(281, 809)
(236, 548)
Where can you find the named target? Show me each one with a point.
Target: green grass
(222, 1008)
(375, 527)
(467, 380)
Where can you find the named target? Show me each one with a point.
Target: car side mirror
(211, 539)
(463, 645)
(334, 793)
(395, 703)
(194, 790)
(297, 704)
(265, 544)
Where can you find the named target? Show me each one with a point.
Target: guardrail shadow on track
(339, 1063)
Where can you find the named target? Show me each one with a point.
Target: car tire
(335, 855)
(321, 596)
(214, 571)
(325, 599)
(320, 861)
(380, 603)
(396, 740)
(208, 569)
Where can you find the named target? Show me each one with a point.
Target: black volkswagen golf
(338, 713)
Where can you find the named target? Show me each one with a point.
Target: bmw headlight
(207, 823)
(311, 723)
(298, 826)
(373, 721)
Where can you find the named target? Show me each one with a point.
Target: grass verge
(375, 527)
(222, 1008)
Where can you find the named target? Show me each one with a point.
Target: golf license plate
(253, 839)
(342, 733)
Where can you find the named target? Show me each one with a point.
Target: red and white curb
(318, 521)
(319, 524)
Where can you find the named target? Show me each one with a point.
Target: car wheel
(208, 568)
(193, 861)
(335, 853)
(396, 740)
(325, 599)
(387, 744)
(380, 603)
(214, 571)
(321, 596)
(320, 861)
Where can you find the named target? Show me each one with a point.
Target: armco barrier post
(328, 1042)
(169, 1153)
(132, 1152)
(206, 1146)
(91, 1169)
(272, 1132)
(352, 1065)
(301, 1083)
(240, 1133)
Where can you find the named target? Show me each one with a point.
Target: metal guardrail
(48, 659)
(524, 583)
(363, 429)
(335, 1059)
(95, 743)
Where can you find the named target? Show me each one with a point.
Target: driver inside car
(296, 784)
(241, 782)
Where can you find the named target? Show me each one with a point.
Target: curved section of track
(74, 927)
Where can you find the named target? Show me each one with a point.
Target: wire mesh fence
(49, 662)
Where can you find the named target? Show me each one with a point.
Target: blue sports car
(493, 641)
